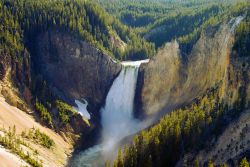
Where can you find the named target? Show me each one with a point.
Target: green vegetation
(39, 137)
(161, 21)
(10, 33)
(210, 164)
(244, 162)
(179, 132)
(22, 20)
(44, 115)
(191, 128)
(143, 13)
(188, 39)
(243, 37)
(13, 142)
(65, 112)
(57, 114)
(177, 25)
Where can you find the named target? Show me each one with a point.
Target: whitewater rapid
(116, 118)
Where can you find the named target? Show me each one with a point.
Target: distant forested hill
(161, 21)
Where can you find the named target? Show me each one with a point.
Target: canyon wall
(172, 79)
(74, 68)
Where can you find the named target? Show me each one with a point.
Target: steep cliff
(74, 68)
(172, 79)
(232, 145)
(59, 67)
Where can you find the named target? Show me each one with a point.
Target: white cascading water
(116, 118)
(117, 115)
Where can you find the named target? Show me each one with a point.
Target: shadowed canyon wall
(74, 68)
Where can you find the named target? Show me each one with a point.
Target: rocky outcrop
(233, 144)
(15, 73)
(158, 79)
(74, 69)
(3, 64)
(171, 80)
(237, 84)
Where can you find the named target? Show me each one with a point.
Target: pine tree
(224, 165)
(244, 162)
(196, 163)
(120, 160)
(210, 164)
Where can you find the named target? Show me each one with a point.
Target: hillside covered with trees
(164, 20)
(22, 20)
(57, 54)
(187, 129)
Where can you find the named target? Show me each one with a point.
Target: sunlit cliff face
(170, 81)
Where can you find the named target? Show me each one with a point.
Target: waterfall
(116, 117)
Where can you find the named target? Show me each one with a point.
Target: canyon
(70, 94)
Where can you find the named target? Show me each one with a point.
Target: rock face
(74, 68)
(231, 145)
(62, 66)
(18, 70)
(236, 89)
(158, 78)
(2, 66)
(171, 80)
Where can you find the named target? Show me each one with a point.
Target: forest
(21, 20)
(187, 129)
(123, 30)
(164, 20)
